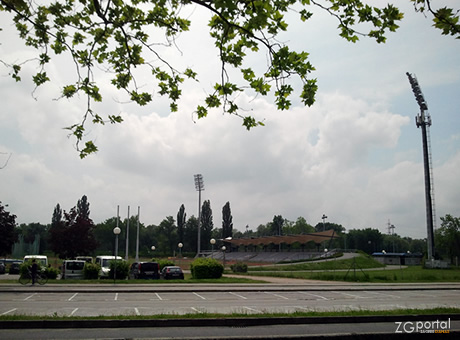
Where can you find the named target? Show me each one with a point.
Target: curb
(224, 322)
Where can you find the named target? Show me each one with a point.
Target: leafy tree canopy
(124, 38)
(7, 230)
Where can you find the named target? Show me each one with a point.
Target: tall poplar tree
(227, 224)
(206, 224)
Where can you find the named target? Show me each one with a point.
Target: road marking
(72, 297)
(318, 296)
(252, 309)
(277, 295)
(196, 310)
(202, 297)
(355, 296)
(10, 311)
(137, 311)
(27, 298)
(158, 296)
(116, 297)
(240, 296)
(73, 312)
(384, 294)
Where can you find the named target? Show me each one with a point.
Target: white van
(40, 258)
(72, 269)
(104, 262)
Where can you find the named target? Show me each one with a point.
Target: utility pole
(423, 121)
(199, 186)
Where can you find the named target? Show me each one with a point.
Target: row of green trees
(73, 233)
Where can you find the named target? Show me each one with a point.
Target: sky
(355, 155)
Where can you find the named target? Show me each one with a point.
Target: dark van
(144, 270)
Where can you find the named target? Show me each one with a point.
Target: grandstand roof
(287, 239)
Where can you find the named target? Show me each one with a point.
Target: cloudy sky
(356, 155)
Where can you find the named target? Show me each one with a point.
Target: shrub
(165, 263)
(51, 272)
(91, 271)
(239, 267)
(203, 268)
(122, 269)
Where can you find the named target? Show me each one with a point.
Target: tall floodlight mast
(199, 186)
(423, 121)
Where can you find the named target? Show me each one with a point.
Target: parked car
(72, 269)
(43, 259)
(88, 259)
(2, 268)
(172, 272)
(144, 270)
(104, 262)
(15, 267)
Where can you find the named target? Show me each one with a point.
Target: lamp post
(325, 253)
(223, 251)
(384, 253)
(213, 242)
(153, 249)
(180, 245)
(117, 232)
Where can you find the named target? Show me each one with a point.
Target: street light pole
(116, 231)
(127, 236)
(213, 242)
(324, 218)
(223, 251)
(137, 234)
(180, 245)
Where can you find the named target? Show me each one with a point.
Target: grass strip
(363, 312)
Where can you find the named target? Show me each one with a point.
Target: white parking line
(70, 299)
(385, 294)
(196, 310)
(137, 311)
(73, 312)
(355, 296)
(10, 311)
(158, 296)
(277, 295)
(252, 309)
(27, 298)
(240, 296)
(318, 296)
(202, 297)
(116, 297)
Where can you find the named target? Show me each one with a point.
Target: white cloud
(355, 155)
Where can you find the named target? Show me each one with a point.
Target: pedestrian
(33, 270)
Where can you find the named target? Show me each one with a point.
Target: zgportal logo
(423, 326)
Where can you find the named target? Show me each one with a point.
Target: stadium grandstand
(276, 248)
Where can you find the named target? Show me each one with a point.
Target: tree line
(73, 233)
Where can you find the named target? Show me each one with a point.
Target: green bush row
(203, 268)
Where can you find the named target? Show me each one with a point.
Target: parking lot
(123, 302)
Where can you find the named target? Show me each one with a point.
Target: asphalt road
(178, 299)
(152, 299)
(382, 330)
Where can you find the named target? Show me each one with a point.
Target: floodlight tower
(423, 121)
(199, 186)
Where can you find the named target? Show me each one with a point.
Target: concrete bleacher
(270, 257)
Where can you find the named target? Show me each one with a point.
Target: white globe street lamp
(213, 242)
(117, 232)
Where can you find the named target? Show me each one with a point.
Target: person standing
(33, 270)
